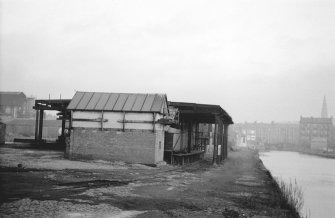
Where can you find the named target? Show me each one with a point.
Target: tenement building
(317, 133)
(267, 135)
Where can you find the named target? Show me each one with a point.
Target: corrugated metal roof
(97, 101)
(111, 101)
(83, 103)
(75, 100)
(94, 100)
(148, 102)
(130, 102)
(119, 104)
(102, 101)
(139, 102)
(157, 104)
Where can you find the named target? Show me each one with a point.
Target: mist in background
(260, 60)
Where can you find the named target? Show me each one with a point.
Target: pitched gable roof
(125, 102)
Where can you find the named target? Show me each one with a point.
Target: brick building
(16, 105)
(117, 126)
(317, 133)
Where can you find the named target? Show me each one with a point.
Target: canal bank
(319, 153)
(240, 187)
(315, 175)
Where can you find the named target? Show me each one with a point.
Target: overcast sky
(260, 60)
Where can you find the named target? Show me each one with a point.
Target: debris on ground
(47, 185)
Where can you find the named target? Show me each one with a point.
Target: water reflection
(315, 174)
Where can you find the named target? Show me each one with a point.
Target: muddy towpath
(37, 183)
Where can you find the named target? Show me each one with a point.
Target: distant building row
(310, 133)
(265, 134)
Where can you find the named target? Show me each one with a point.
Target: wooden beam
(180, 136)
(221, 136)
(135, 121)
(90, 120)
(214, 144)
(102, 118)
(154, 122)
(40, 127)
(225, 140)
(44, 107)
(123, 122)
(189, 143)
(36, 126)
(63, 130)
(196, 133)
(71, 115)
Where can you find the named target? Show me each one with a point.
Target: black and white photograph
(158, 109)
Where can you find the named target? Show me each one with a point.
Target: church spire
(324, 112)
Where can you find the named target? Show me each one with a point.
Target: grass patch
(292, 194)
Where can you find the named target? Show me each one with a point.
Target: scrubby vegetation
(292, 193)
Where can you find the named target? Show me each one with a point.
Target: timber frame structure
(165, 129)
(191, 115)
(59, 105)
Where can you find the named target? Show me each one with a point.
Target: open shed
(42, 105)
(198, 124)
(117, 126)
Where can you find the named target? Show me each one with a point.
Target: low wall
(134, 146)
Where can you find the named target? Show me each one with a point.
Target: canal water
(316, 176)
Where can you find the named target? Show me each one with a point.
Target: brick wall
(134, 146)
(159, 145)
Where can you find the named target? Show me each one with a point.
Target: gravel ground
(240, 187)
(54, 160)
(34, 209)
